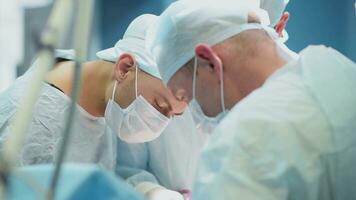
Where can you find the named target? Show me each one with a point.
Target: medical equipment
(52, 36)
(81, 45)
(12, 20)
(77, 182)
(11, 26)
(35, 3)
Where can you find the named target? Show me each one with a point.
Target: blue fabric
(76, 182)
(170, 160)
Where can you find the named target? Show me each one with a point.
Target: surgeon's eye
(163, 108)
(181, 96)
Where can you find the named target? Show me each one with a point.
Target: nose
(170, 114)
(179, 108)
(181, 96)
(174, 109)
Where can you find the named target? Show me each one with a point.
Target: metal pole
(83, 22)
(56, 29)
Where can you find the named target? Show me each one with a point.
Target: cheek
(147, 91)
(181, 87)
(207, 89)
(205, 83)
(125, 94)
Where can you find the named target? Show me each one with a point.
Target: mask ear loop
(222, 96)
(136, 80)
(113, 91)
(194, 75)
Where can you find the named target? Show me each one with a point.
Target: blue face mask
(204, 123)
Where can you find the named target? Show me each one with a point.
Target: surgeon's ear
(124, 64)
(281, 25)
(206, 53)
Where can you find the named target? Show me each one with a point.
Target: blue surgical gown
(170, 161)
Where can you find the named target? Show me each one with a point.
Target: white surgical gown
(169, 161)
(91, 141)
(293, 138)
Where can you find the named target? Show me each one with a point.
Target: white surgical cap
(185, 23)
(134, 42)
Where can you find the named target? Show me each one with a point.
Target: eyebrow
(179, 114)
(170, 107)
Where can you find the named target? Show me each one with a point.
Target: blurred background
(328, 22)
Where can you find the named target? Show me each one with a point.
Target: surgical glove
(187, 194)
(163, 194)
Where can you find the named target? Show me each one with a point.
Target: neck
(96, 78)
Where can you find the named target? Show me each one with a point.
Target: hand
(164, 194)
(281, 25)
(187, 194)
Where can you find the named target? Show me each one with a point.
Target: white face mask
(139, 122)
(204, 123)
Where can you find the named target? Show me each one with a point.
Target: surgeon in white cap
(122, 96)
(285, 123)
(171, 160)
